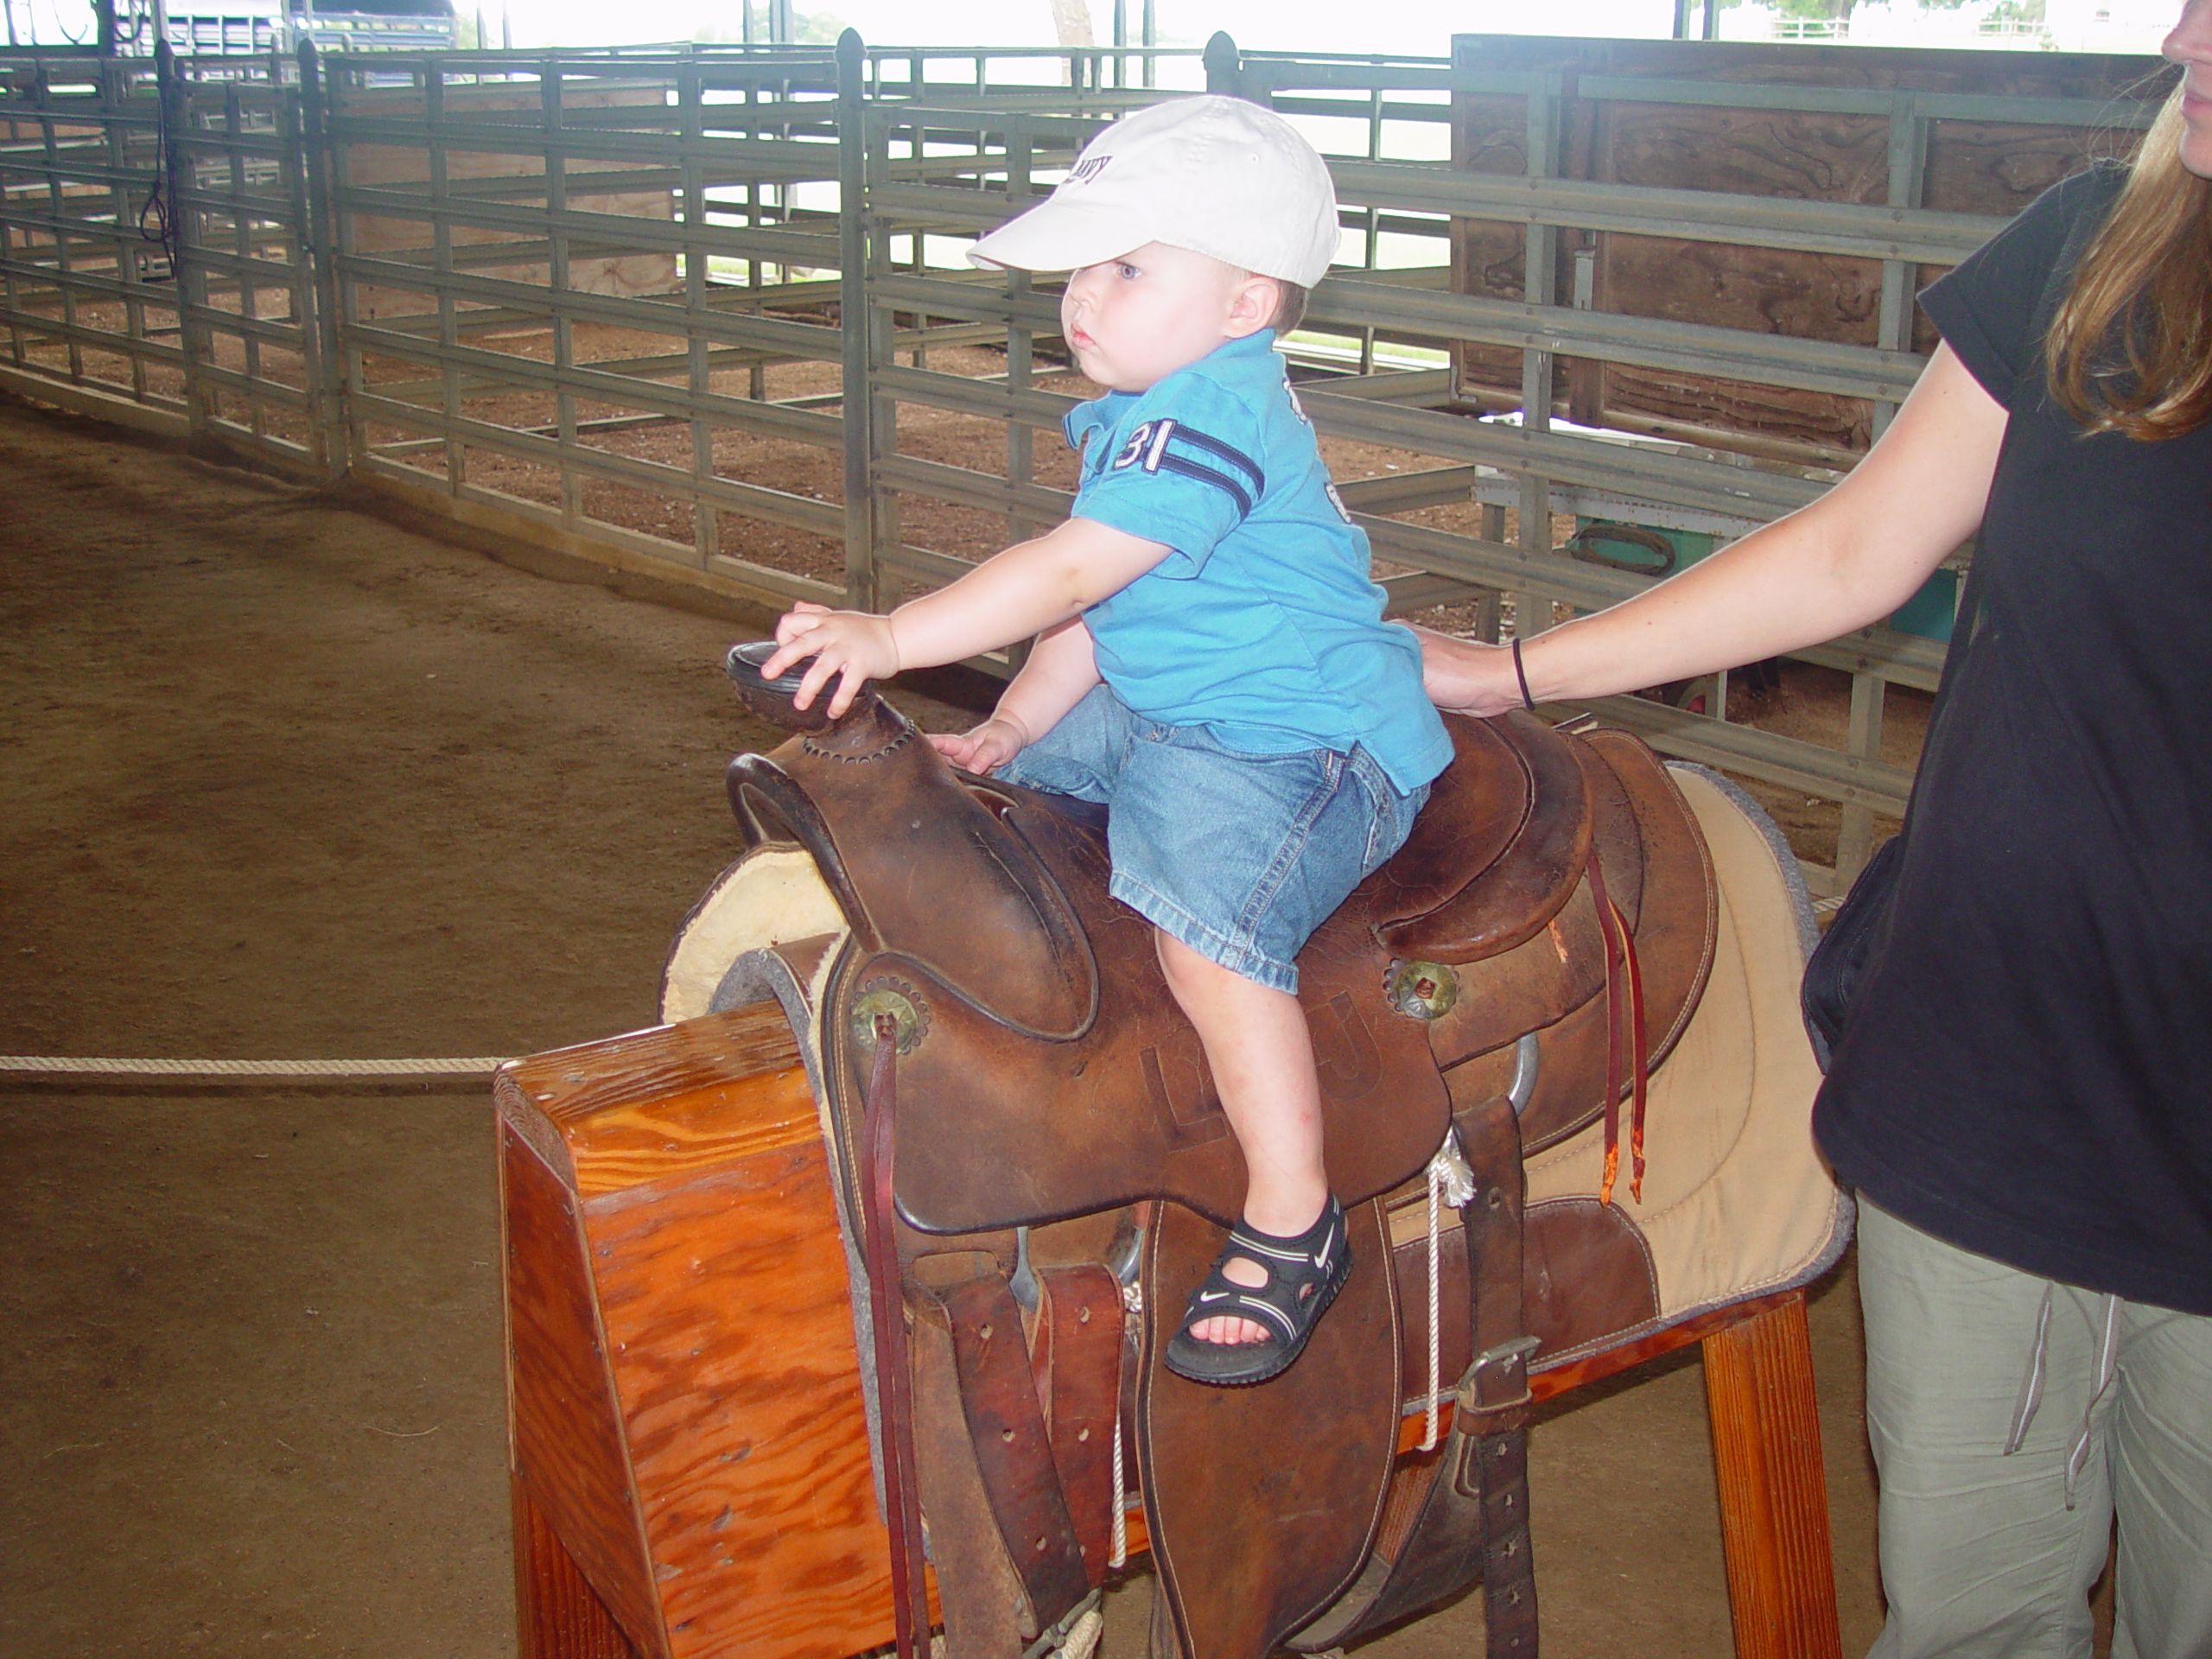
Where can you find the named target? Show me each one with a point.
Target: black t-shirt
(2028, 1070)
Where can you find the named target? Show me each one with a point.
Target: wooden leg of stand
(1774, 1509)
(557, 1615)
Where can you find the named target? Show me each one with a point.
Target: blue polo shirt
(1263, 624)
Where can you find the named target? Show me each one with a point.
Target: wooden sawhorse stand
(690, 1459)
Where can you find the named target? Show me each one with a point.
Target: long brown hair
(2130, 349)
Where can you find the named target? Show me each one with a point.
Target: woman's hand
(982, 749)
(853, 647)
(1466, 677)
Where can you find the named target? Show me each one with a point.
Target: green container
(1646, 549)
(1930, 612)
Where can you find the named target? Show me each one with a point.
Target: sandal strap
(1299, 1269)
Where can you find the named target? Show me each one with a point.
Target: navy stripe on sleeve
(1214, 447)
(1199, 470)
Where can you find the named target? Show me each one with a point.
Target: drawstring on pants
(2032, 1384)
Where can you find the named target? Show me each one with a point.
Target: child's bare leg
(1261, 1055)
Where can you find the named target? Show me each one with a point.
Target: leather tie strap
(1627, 1042)
(1490, 1418)
(893, 1382)
(1493, 1473)
(1013, 1447)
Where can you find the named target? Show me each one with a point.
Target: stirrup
(1304, 1273)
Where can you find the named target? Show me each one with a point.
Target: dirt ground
(284, 781)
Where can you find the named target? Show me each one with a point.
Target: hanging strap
(1627, 1042)
(910, 1614)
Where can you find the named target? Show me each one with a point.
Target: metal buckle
(1506, 1364)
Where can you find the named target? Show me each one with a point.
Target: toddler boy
(1211, 658)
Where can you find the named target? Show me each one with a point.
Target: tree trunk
(1071, 22)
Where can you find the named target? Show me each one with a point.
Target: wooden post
(1773, 1511)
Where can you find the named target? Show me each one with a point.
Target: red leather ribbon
(1624, 1030)
(1639, 1056)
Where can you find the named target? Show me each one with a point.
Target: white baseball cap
(1217, 175)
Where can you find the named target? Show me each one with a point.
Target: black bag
(1832, 972)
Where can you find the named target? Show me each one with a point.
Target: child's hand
(983, 749)
(852, 645)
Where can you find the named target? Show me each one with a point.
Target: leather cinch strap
(894, 1381)
(1490, 1418)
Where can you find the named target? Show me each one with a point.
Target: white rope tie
(56, 1065)
(1451, 1184)
(1083, 1640)
(1435, 1301)
(1118, 1556)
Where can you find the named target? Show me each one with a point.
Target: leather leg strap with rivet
(1487, 1457)
(894, 1381)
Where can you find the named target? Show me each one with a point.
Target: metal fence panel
(595, 294)
(258, 373)
(88, 294)
(156, 251)
(708, 312)
(1471, 509)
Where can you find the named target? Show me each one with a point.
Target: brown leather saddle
(1039, 1166)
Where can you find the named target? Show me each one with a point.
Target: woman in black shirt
(2019, 1096)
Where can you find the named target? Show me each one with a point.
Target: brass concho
(1421, 990)
(898, 998)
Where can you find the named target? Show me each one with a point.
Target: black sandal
(1304, 1272)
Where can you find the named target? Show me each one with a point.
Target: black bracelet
(1521, 675)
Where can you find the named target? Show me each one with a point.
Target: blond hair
(2129, 347)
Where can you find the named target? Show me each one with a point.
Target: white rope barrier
(60, 1065)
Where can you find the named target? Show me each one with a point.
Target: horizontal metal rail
(659, 316)
(1646, 342)
(589, 232)
(52, 326)
(1859, 230)
(499, 371)
(753, 501)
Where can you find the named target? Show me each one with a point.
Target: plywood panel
(702, 1197)
(725, 1301)
(565, 1434)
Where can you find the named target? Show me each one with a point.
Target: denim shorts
(1239, 855)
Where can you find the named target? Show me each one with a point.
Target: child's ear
(1252, 305)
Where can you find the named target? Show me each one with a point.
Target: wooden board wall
(1972, 167)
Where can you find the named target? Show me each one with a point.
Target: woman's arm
(1061, 668)
(1847, 560)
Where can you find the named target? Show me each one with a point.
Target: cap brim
(1058, 234)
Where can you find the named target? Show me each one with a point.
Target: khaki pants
(1985, 1552)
